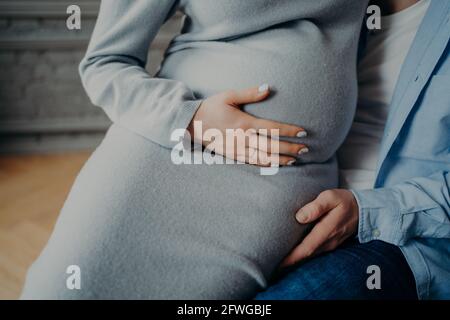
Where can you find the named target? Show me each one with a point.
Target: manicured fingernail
(263, 88)
(274, 165)
(303, 150)
(302, 134)
(301, 216)
(290, 163)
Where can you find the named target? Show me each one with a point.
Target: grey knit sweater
(140, 226)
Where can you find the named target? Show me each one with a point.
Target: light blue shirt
(410, 203)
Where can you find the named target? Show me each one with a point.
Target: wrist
(379, 216)
(195, 126)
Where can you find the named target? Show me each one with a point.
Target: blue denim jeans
(342, 274)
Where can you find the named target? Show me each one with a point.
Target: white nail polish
(302, 134)
(304, 150)
(290, 163)
(263, 88)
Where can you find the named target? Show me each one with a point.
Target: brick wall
(43, 106)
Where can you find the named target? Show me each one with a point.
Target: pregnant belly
(173, 231)
(209, 225)
(309, 88)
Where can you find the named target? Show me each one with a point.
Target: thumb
(325, 202)
(250, 95)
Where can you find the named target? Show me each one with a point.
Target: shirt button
(376, 233)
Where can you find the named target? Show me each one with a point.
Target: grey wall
(43, 106)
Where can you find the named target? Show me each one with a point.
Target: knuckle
(315, 208)
(242, 122)
(263, 158)
(253, 155)
(254, 123)
(333, 234)
(251, 132)
(333, 245)
(291, 130)
(327, 195)
(294, 149)
(253, 141)
(309, 252)
(230, 94)
(345, 206)
(240, 157)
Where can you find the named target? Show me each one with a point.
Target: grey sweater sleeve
(114, 76)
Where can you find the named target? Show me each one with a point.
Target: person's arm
(114, 76)
(417, 208)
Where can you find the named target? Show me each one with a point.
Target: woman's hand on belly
(240, 136)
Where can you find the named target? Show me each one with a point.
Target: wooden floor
(32, 191)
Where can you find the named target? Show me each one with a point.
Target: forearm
(114, 76)
(148, 106)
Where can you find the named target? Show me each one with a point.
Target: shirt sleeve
(418, 208)
(114, 76)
